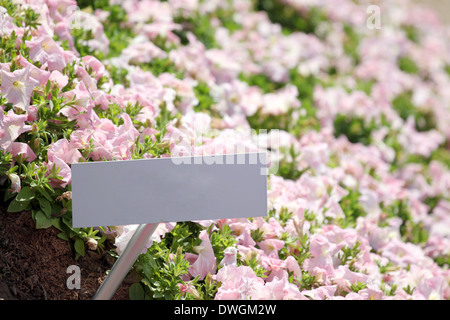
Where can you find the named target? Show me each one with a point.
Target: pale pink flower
(404, 254)
(81, 100)
(64, 172)
(191, 59)
(437, 246)
(281, 101)
(236, 282)
(45, 50)
(270, 229)
(161, 230)
(230, 257)
(180, 142)
(188, 288)
(316, 155)
(343, 277)
(58, 8)
(163, 29)
(431, 289)
(109, 141)
(59, 79)
(15, 182)
(371, 293)
(23, 149)
(140, 12)
(322, 251)
(11, 127)
(222, 65)
(6, 23)
(17, 87)
(101, 99)
(124, 236)
(64, 151)
(246, 253)
(85, 77)
(40, 75)
(340, 237)
(92, 63)
(242, 232)
(421, 143)
(378, 237)
(63, 30)
(271, 247)
(148, 132)
(125, 233)
(292, 266)
(350, 296)
(90, 22)
(273, 264)
(206, 261)
(236, 97)
(441, 219)
(142, 51)
(320, 293)
(279, 288)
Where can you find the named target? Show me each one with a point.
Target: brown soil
(33, 263)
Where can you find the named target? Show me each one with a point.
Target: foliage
(77, 95)
(356, 129)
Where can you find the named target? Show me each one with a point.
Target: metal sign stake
(125, 261)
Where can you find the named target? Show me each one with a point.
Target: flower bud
(15, 182)
(92, 244)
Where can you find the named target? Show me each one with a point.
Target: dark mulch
(34, 262)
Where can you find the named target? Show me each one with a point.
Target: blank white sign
(113, 193)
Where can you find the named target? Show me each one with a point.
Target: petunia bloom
(206, 261)
(17, 87)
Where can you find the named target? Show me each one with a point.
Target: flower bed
(354, 118)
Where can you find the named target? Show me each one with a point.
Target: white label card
(113, 193)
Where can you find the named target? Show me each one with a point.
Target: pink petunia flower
(58, 79)
(206, 261)
(230, 257)
(45, 50)
(321, 293)
(11, 127)
(63, 150)
(15, 182)
(38, 74)
(17, 87)
(271, 247)
(236, 282)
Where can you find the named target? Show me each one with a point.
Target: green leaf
(42, 222)
(63, 236)
(148, 267)
(45, 206)
(56, 209)
(158, 295)
(79, 246)
(137, 292)
(9, 195)
(26, 194)
(57, 223)
(17, 206)
(44, 193)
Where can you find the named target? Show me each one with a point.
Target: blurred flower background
(351, 99)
